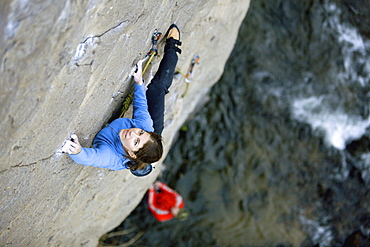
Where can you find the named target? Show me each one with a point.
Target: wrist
(140, 82)
(77, 151)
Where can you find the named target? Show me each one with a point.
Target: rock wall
(64, 69)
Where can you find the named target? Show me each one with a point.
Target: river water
(279, 155)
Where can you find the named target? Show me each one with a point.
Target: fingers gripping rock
(71, 146)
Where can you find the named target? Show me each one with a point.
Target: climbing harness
(189, 76)
(153, 52)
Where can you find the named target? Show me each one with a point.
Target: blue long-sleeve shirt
(107, 151)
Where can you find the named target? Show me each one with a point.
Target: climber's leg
(162, 81)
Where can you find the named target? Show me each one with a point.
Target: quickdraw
(153, 52)
(189, 76)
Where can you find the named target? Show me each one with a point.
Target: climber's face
(133, 139)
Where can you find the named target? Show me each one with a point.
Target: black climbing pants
(159, 86)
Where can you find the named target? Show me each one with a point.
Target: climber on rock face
(165, 203)
(134, 143)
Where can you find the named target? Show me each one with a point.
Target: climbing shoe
(173, 38)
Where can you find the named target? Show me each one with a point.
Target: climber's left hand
(72, 146)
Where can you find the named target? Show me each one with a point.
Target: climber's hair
(151, 152)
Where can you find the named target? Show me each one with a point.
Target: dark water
(279, 156)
